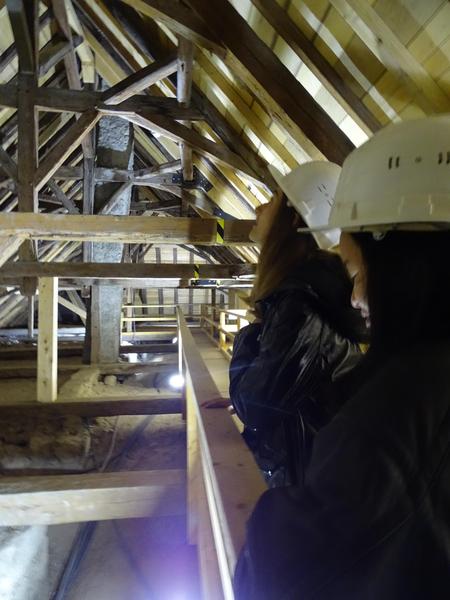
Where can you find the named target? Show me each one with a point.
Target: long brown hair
(281, 252)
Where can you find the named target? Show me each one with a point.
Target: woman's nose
(355, 300)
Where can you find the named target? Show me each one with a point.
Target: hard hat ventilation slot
(441, 158)
(394, 162)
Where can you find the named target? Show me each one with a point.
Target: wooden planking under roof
(334, 71)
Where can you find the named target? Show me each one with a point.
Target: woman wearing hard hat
(372, 520)
(285, 364)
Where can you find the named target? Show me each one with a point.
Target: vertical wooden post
(31, 316)
(184, 91)
(24, 23)
(222, 335)
(232, 299)
(129, 311)
(88, 197)
(47, 372)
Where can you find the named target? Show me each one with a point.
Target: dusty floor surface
(135, 559)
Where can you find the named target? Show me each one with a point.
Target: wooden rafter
(139, 81)
(313, 59)
(180, 20)
(70, 62)
(10, 53)
(179, 133)
(22, 14)
(65, 201)
(144, 39)
(282, 94)
(386, 46)
(115, 63)
(9, 245)
(53, 52)
(109, 207)
(8, 165)
(71, 140)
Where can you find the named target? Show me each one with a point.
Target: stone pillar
(114, 150)
(23, 563)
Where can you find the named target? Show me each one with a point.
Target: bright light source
(175, 340)
(176, 381)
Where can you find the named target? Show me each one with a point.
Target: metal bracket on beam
(198, 182)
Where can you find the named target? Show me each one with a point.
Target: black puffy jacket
(372, 520)
(283, 369)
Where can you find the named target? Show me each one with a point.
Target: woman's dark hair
(282, 250)
(408, 287)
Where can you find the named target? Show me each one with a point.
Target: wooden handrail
(219, 460)
(217, 326)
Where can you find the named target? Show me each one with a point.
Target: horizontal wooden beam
(19, 352)
(62, 100)
(92, 407)
(28, 369)
(104, 174)
(132, 230)
(139, 284)
(92, 497)
(139, 81)
(124, 270)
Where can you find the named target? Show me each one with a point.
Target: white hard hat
(310, 189)
(400, 178)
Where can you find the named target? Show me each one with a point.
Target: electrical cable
(86, 530)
